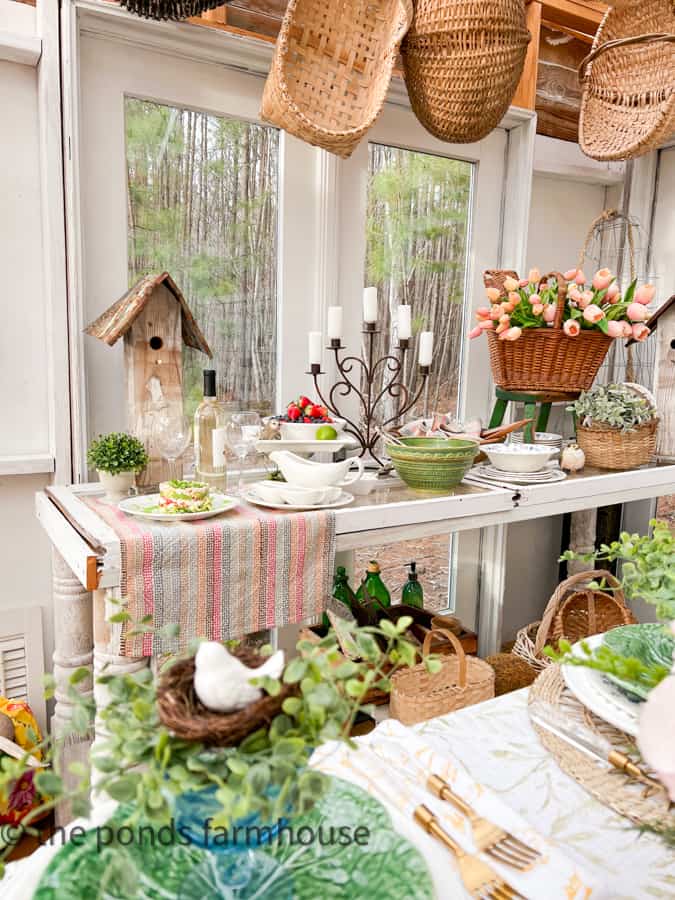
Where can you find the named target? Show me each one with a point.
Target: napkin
(393, 762)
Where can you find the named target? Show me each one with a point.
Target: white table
(496, 743)
(87, 555)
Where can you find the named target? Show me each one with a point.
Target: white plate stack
(543, 438)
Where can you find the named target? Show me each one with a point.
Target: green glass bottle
(413, 595)
(372, 587)
(341, 591)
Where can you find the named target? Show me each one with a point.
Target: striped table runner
(220, 578)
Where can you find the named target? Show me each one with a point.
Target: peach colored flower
(538, 309)
(593, 313)
(640, 332)
(574, 294)
(585, 299)
(615, 329)
(512, 334)
(636, 312)
(510, 284)
(645, 294)
(514, 298)
(502, 327)
(533, 277)
(505, 318)
(508, 307)
(483, 312)
(602, 279)
(570, 274)
(627, 329)
(534, 298)
(475, 332)
(496, 312)
(486, 325)
(580, 278)
(493, 294)
(612, 292)
(571, 328)
(549, 312)
(523, 282)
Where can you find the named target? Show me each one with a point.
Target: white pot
(117, 487)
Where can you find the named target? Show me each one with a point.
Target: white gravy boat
(307, 473)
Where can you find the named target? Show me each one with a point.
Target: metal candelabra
(368, 433)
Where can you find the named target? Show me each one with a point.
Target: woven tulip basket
(188, 718)
(546, 359)
(611, 448)
(574, 612)
(331, 69)
(417, 695)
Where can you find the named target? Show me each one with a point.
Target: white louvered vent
(21, 659)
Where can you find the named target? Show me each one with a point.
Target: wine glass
(172, 437)
(243, 431)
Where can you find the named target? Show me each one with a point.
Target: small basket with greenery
(616, 426)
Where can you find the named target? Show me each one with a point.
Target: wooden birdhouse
(155, 321)
(662, 323)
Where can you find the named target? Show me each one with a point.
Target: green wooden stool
(529, 399)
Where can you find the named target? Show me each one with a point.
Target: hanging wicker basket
(628, 96)
(574, 612)
(417, 695)
(331, 69)
(545, 359)
(462, 61)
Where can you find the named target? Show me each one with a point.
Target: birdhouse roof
(653, 321)
(118, 319)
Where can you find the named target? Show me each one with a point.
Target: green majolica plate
(387, 867)
(650, 643)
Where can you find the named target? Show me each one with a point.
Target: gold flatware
(479, 879)
(488, 837)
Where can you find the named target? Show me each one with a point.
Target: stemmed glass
(172, 437)
(243, 431)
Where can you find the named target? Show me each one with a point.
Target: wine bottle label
(218, 442)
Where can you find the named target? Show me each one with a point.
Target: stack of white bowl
(542, 438)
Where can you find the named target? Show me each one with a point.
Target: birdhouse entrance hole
(156, 343)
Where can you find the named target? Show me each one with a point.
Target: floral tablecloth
(496, 743)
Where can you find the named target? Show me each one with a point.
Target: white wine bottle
(210, 437)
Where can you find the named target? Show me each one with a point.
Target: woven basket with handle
(545, 359)
(331, 69)
(462, 61)
(575, 611)
(628, 97)
(417, 695)
(611, 448)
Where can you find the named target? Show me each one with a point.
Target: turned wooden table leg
(583, 528)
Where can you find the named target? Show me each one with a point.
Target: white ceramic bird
(222, 682)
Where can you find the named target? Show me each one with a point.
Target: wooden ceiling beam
(526, 92)
(582, 16)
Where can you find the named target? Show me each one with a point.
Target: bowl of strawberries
(305, 420)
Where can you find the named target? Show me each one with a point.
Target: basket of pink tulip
(553, 333)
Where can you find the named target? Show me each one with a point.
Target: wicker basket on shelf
(575, 611)
(462, 61)
(545, 359)
(331, 69)
(628, 97)
(611, 448)
(417, 695)
(188, 718)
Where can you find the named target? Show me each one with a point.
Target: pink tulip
(475, 332)
(514, 298)
(593, 313)
(538, 309)
(510, 284)
(640, 332)
(533, 277)
(570, 274)
(482, 312)
(585, 299)
(493, 294)
(615, 329)
(511, 335)
(602, 279)
(571, 328)
(523, 282)
(627, 329)
(549, 312)
(496, 312)
(612, 292)
(508, 307)
(636, 312)
(534, 298)
(580, 278)
(504, 318)
(503, 327)
(486, 325)
(645, 294)
(574, 294)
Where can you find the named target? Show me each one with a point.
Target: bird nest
(187, 717)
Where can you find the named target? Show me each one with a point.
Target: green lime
(326, 433)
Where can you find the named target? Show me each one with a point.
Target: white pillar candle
(334, 327)
(370, 304)
(426, 350)
(403, 322)
(315, 348)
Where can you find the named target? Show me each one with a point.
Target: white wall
(24, 416)
(663, 240)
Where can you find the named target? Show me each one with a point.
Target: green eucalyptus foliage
(614, 405)
(117, 452)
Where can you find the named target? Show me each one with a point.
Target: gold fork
(479, 879)
(488, 837)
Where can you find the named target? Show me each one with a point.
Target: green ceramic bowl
(436, 477)
(419, 449)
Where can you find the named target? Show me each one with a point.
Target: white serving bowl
(293, 494)
(519, 457)
(306, 431)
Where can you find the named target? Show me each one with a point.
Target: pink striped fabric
(223, 577)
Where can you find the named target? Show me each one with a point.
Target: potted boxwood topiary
(117, 458)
